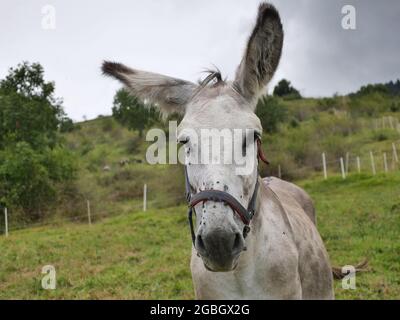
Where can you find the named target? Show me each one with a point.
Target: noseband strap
(219, 196)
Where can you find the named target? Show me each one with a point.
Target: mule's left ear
(262, 53)
(170, 95)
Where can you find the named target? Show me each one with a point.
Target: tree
(371, 89)
(66, 125)
(25, 181)
(285, 90)
(28, 109)
(394, 87)
(32, 158)
(270, 112)
(130, 112)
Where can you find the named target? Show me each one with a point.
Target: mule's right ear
(262, 53)
(170, 95)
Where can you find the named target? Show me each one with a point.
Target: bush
(294, 123)
(395, 107)
(107, 124)
(25, 180)
(132, 145)
(133, 114)
(370, 104)
(271, 113)
(285, 90)
(33, 160)
(384, 134)
(66, 125)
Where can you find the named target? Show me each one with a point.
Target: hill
(143, 255)
(113, 169)
(128, 253)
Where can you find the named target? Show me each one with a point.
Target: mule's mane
(213, 77)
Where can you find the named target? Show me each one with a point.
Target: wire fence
(89, 218)
(369, 162)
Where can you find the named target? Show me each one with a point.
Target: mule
(272, 250)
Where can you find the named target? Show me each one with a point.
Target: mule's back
(282, 187)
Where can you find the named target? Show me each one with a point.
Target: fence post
(347, 162)
(324, 165)
(6, 222)
(145, 197)
(89, 213)
(358, 165)
(342, 168)
(391, 122)
(385, 162)
(396, 158)
(372, 163)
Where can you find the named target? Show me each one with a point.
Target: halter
(220, 196)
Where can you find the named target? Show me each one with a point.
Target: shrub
(66, 125)
(285, 90)
(33, 161)
(271, 113)
(133, 114)
(26, 182)
(395, 107)
(107, 124)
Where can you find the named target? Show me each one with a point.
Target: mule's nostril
(238, 243)
(200, 244)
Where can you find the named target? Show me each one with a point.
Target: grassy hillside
(130, 254)
(102, 144)
(146, 255)
(296, 148)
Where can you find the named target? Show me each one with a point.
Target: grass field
(146, 255)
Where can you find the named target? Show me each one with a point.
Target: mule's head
(218, 128)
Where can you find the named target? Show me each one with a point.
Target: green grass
(132, 255)
(146, 255)
(296, 150)
(135, 256)
(360, 218)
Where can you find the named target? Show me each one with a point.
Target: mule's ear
(262, 53)
(169, 94)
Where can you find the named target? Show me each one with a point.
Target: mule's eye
(245, 142)
(183, 140)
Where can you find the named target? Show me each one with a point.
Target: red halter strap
(260, 152)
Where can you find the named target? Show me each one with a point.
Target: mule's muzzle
(219, 249)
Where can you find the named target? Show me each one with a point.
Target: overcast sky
(182, 37)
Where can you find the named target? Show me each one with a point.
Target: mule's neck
(269, 211)
(257, 222)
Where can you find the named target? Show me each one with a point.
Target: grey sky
(182, 37)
